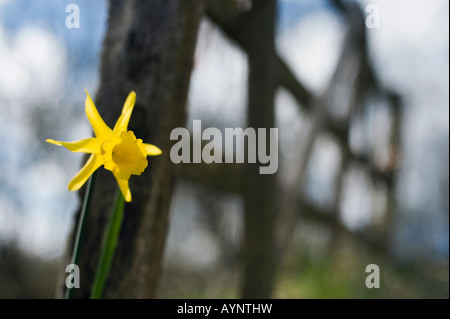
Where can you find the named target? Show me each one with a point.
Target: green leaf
(109, 247)
(79, 237)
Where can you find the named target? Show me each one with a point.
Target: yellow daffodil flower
(117, 149)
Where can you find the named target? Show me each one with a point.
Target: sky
(44, 68)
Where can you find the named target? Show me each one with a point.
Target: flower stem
(82, 226)
(109, 246)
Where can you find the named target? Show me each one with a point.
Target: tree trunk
(148, 48)
(259, 251)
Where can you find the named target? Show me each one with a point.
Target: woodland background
(363, 118)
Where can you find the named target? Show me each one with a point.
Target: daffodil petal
(101, 130)
(122, 121)
(87, 145)
(94, 162)
(152, 149)
(124, 188)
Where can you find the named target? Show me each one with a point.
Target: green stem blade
(109, 246)
(80, 234)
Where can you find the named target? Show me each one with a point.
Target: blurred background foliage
(389, 205)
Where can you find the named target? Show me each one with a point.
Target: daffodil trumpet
(117, 149)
